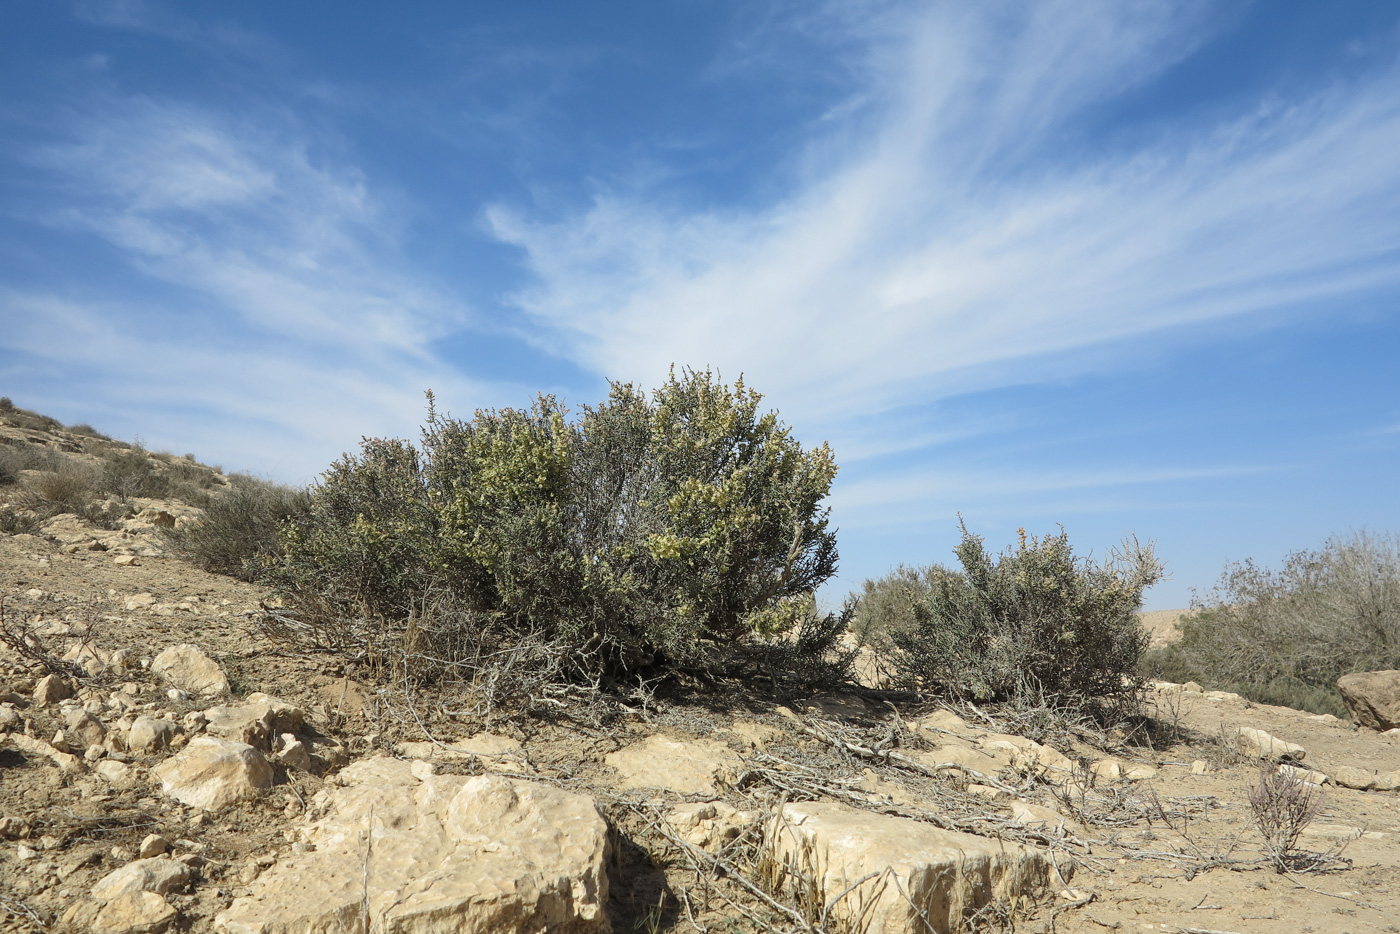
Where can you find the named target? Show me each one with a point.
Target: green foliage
(886, 606)
(240, 527)
(1036, 620)
(648, 530)
(1286, 636)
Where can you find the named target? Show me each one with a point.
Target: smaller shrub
(886, 606)
(6, 405)
(1286, 636)
(240, 528)
(24, 456)
(1037, 621)
(132, 473)
(71, 485)
(88, 431)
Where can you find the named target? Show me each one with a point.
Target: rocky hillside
(166, 765)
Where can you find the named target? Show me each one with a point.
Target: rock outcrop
(926, 878)
(423, 853)
(687, 768)
(189, 669)
(1372, 698)
(213, 773)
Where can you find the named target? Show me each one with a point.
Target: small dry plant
(1283, 804)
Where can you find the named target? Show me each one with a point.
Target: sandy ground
(1177, 852)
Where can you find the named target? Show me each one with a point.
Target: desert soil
(1176, 852)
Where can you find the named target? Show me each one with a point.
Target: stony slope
(345, 798)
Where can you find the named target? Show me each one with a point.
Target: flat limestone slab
(930, 880)
(440, 853)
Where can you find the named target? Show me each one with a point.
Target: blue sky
(1125, 267)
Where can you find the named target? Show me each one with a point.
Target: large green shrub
(1035, 620)
(648, 530)
(1286, 636)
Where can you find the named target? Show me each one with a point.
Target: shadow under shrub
(1035, 622)
(240, 528)
(650, 532)
(1284, 637)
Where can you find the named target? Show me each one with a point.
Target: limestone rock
(117, 774)
(944, 874)
(1261, 745)
(135, 913)
(213, 773)
(1029, 755)
(1349, 776)
(1039, 818)
(159, 874)
(188, 668)
(125, 561)
(153, 845)
(710, 824)
(293, 754)
(37, 747)
(50, 690)
(446, 853)
(968, 758)
(693, 767)
(148, 735)
(494, 752)
(256, 721)
(1372, 698)
(84, 729)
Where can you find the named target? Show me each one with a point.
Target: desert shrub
(649, 530)
(24, 456)
(1286, 636)
(128, 473)
(886, 605)
(88, 431)
(69, 484)
(240, 527)
(1035, 621)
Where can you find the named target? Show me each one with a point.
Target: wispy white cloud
(285, 321)
(946, 239)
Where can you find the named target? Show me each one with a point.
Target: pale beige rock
(1365, 779)
(943, 874)
(1039, 818)
(188, 668)
(9, 719)
(945, 721)
(115, 773)
(213, 773)
(125, 561)
(159, 874)
(1107, 770)
(1138, 771)
(493, 751)
(1192, 687)
(447, 853)
(1312, 776)
(50, 690)
(153, 845)
(135, 913)
(256, 721)
(37, 747)
(965, 756)
(84, 729)
(710, 825)
(149, 735)
(293, 754)
(1029, 755)
(1372, 698)
(1261, 745)
(693, 767)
